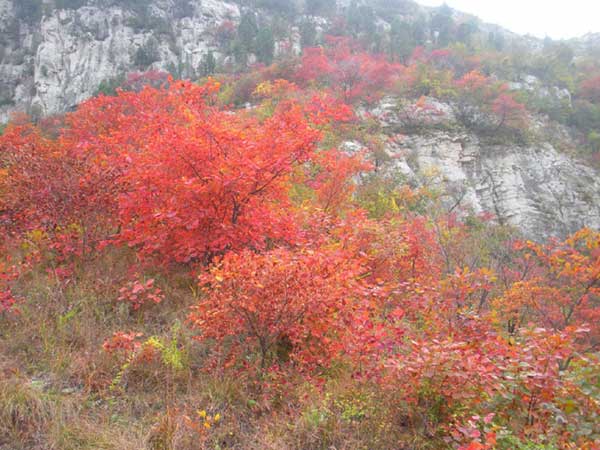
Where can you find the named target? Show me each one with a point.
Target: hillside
(295, 225)
(56, 55)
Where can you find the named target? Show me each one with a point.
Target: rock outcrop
(53, 65)
(536, 188)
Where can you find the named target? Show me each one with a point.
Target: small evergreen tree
(361, 19)
(402, 40)
(265, 46)
(147, 53)
(443, 24)
(208, 64)
(308, 34)
(29, 11)
(247, 31)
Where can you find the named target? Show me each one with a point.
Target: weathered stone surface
(537, 188)
(56, 64)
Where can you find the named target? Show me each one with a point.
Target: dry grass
(61, 391)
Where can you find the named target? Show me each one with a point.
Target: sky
(558, 19)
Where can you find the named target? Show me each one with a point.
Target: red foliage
(60, 185)
(225, 31)
(138, 293)
(183, 179)
(122, 342)
(353, 74)
(7, 275)
(562, 291)
(423, 307)
(136, 81)
(291, 304)
(510, 113)
(209, 181)
(333, 183)
(590, 88)
(485, 103)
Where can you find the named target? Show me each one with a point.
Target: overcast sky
(559, 19)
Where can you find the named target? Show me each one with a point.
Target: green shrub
(29, 11)
(147, 53)
(69, 4)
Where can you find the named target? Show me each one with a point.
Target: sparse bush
(147, 54)
(183, 8)
(70, 4)
(29, 11)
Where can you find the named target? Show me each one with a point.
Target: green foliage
(554, 107)
(308, 34)
(403, 39)
(586, 116)
(208, 64)
(442, 24)
(552, 65)
(183, 8)
(109, 86)
(139, 7)
(594, 140)
(247, 30)
(6, 99)
(265, 45)
(286, 8)
(245, 42)
(465, 32)
(239, 51)
(29, 11)
(69, 4)
(320, 7)
(496, 40)
(147, 53)
(361, 20)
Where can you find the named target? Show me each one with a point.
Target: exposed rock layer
(536, 188)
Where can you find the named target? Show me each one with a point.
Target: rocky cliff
(52, 65)
(536, 187)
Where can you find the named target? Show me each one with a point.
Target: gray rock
(538, 189)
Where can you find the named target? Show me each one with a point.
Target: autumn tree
(560, 290)
(208, 180)
(590, 88)
(485, 105)
(354, 74)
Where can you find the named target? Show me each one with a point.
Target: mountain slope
(54, 55)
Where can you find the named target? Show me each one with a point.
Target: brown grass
(60, 390)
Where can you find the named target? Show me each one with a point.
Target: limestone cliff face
(53, 65)
(535, 187)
